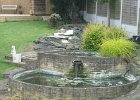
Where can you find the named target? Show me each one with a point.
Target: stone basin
(29, 90)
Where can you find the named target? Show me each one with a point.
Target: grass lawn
(20, 34)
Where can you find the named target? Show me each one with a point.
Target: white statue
(16, 57)
(13, 51)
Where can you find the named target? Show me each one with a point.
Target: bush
(54, 20)
(122, 48)
(114, 33)
(92, 37)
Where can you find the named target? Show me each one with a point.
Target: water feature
(78, 76)
(78, 70)
(75, 84)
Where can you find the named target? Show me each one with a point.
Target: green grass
(20, 34)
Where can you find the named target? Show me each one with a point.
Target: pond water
(58, 79)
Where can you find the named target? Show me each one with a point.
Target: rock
(59, 37)
(58, 34)
(65, 41)
(70, 39)
(71, 47)
(69, 32)
(62, 30)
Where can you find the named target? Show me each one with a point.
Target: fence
(24, 6)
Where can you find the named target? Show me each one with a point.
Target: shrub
(114, 33)
(54, 20)
(122, 48)
(92, 37)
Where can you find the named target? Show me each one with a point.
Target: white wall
(116, 23)
(100, 19)
(131, 30)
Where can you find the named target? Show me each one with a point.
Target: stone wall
(31, 64)
(37, 92)
(94, 64)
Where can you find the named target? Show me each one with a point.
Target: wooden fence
(25, 6)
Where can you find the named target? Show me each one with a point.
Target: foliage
(68, 9)
(92, 37)
(121, 47)
(54, 20)
(95, 35)
(21, 34)
(114, 33)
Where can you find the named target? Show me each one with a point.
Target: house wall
(49, 7)
(26, 6)
(124, 14)
(24, 3)
(38, 7)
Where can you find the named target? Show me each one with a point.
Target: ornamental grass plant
(114, 33)
(121, 48)
(92, 37)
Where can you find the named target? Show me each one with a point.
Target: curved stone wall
(37, 92)
(63, 62)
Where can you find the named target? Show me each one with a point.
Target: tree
(68, 9)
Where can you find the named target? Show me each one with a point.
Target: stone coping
(60, 53)
(56, 59)
(12, 75)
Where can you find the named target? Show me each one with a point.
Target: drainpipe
(121, 13)
(108, 14)
(138, 18)
(96, 12)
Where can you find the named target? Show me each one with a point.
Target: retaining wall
(94, 64)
